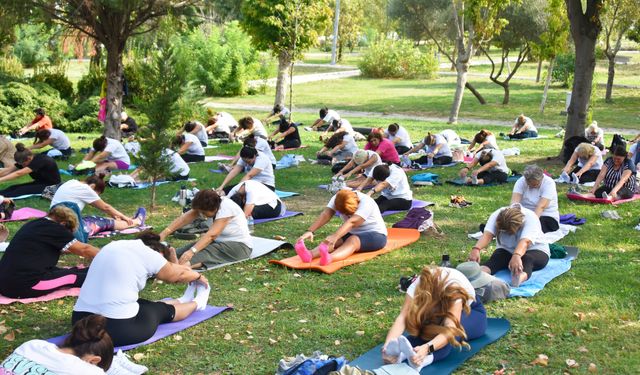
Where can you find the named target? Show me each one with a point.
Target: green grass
(307, 311)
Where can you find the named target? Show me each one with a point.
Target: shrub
(90, 84)
(134, 75)
(11, 68)
(18, 100)
(397, 59)
(58, 81)
(88, 107)
(564, 68)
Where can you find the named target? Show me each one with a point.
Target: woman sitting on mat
(227, 240)
(617, 176)
(589, 159)
(483, 139)
(517, 231)
(595, 135)
(249, 126)
(523, 128)
(53, 137)
(221, 125)
(383, 147)
(189, 147)
(179, 170)
(437, 149)
(340, 147)
(119, 273)
(327, 117)
(256, 200)
(198, 129)
(393, 186)
(278, 114)
(256, 166)
(29, 269)
(76, 194)
(286, 136)
(440, 312)
(41, 168)
(108, 154)
(362, 161)
(537, 192)
(362, 230)
(88, 350)
(493, 168)
(400, 138)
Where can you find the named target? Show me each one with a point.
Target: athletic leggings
(178, 178)
(189, 158)
(50, 281)
(474, 324)
(402, 149)
(265, 211)
(532, 260)
(623, 193)
(588, 176)
(96, 224)
(549, 224)
(395, 204)
(139, 328)
(440, 160)
(496, 176)
(24, 189)
(523, 135)
(289, 143)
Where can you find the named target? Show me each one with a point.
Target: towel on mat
(25, 213)
(496, 328)
(72, 292)
(578, 197)
(396, 238)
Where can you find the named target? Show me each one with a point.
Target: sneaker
(560, 134)
(564, 177)
(308, 129)
(142, 215)
(606, 196)
(122, 361)
(474, 180)
(574, 179)
(637, 227)
(611, 214)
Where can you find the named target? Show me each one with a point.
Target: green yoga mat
(496, 328)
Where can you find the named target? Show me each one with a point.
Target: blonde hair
(509, 220)
(347, 202)
(65, 217)
(430, 307)
(585, 150)
(593, 128)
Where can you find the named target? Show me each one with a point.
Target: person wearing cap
(41, 121)
(440, 312)
(128, 125)
(488, 288)
(517, 231)
(362, 161)
(493, 168)
(537, 192)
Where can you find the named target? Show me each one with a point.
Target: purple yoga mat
(165, 330)
(415, 204)
(26, 213)
(286, 215)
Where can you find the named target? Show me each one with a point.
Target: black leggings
(402, 149)
(24, 189)
(266, 212)
(189, 158)
(532, 260)
(549, 224)
(440, 160)
(588, 176)
(178, 178)
(490, 177)
(289, 143)
(395, 204)
(139, 328)
(50, 281)
(623, 193)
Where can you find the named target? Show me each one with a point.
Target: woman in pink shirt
(383, 147)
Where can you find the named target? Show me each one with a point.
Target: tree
(350, 26)
(585, 27)
(111, 22)
(286, 28)
(618, 16)
(526, 23)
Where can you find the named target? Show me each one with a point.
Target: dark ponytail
(334, 140)
(248, 152)
(152, 240)
(89, 337)
(178, 140)
(250, 141)
(97, 181)
(22, 153)
(42, 135)
(99, 144)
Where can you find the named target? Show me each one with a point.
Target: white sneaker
(308, 129)
(474, 180)
(574, 179)
(564, 177)
(122, 365)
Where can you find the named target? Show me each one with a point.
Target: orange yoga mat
(396, 238)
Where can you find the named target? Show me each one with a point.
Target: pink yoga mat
(73, 292)
(26, 213)
(121, 232)
(578, 197)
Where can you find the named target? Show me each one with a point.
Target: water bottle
(250, 223)
(182, 198)
(445, 261)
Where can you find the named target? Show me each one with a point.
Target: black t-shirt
(44, 170)
(294, 135)
(131, 123)
(34, 249)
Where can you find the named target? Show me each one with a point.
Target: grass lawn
(590, 314)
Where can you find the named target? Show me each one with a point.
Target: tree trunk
(539, 69)
(505, 87)
(582, 84)
(152, 206)
(475, 93)
(610, 76)
(462, 69)
(547, 83)
(114, 90)
(284, 64)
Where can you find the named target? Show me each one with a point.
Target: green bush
(18, 100)
(397, 59)
(564, 68)
(11, 68)
(90, 84)
(85, 124)
(133, 72)
(58, 81)
(88, 107)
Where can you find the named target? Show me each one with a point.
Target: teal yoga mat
(496, 328)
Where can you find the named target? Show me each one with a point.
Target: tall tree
(111, 22)
(585, 26)
(286, 28)
(618, 16)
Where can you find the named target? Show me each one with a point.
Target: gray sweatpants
(218, 253)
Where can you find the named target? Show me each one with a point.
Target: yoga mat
(291, 149)
(452, 164)
(578, 197)
(26, 213)
(210, 146)
(587, 184)
(220, 171)
(121, 232)
(25, 196)
(396, 239)
(165, 330)
(261, 246)
(524, 139)
(72, 292)
(539, 279)
(286, 215)
(145, 185)
(457, 182)
(285, 194)
(496, 328)
(415, 204)
(213, 158)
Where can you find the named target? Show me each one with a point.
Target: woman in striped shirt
(617, 177)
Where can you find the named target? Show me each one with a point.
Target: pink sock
(325, 257)
(302, 252)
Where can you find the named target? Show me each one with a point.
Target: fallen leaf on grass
(592, 367)
(579, 315)
(336, 343)
(359, 333)
(243, 289)
(272, 341)
(10, 336)
(336, 311)
(227, 337)
(138, 357)
(571, 363)
(177, 337)
(541, 360)
(582, 349)
(341, 299)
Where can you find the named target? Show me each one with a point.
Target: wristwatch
(193, 250)
(431, 348)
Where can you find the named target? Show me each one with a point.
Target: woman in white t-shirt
(493, 168)
(339, 147)
(198, 129)
(54, 138)
(400, 138)
(256, 200)
(259, 144)
(190, 147)
(523, 128)
(436, 148)
(517, 232)
(589, 162)
(393, 184)
(76, 194)
(327, 117)
(108, 154)
(440, 312)
(248, 126)
(227, 240)
(483, 139)
(279, 112)
(179, 170)
(362, 230)
(88, 350)
(256, 166)
(221, 125)
(119, 273)
(362, 161)
(537, 192)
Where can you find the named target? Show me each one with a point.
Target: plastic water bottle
(251, 224)
(182, 198)
(445, 261)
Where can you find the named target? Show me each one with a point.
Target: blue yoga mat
(496, 328)
(539, 279)
(286, 215)
(452, 164)
(285, 194)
